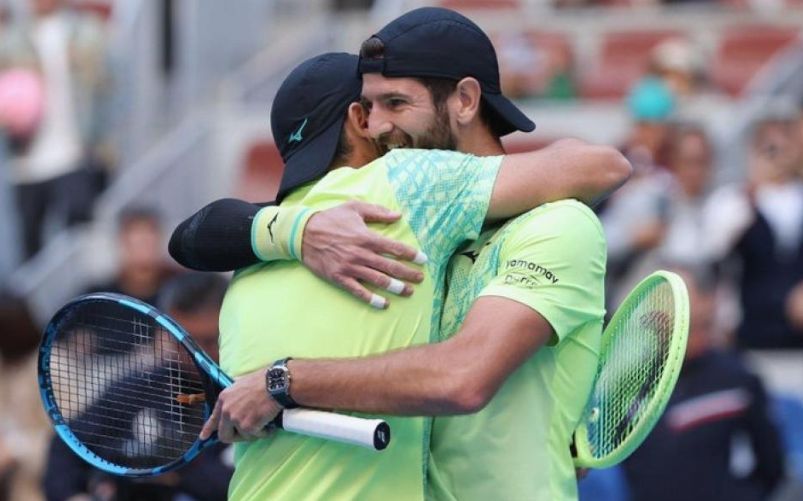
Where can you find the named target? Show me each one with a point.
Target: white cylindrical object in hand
(371, 433)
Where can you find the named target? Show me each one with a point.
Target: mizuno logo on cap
(296, 137)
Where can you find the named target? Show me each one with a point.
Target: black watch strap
(277, 381)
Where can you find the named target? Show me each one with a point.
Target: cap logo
(296, 136)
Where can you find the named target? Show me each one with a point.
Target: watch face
(277, 379)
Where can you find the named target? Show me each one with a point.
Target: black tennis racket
(128, 389)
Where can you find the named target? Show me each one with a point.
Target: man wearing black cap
(409, 399)
(445, 50)
(444, 196)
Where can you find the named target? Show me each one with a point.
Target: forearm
(216, 238)
(413, 381)
(457, 376)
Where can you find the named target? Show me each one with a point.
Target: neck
(479, 141)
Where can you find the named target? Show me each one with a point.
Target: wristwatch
(277, 381)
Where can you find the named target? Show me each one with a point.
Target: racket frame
(374, 434)
(666, 384)
(205, 365)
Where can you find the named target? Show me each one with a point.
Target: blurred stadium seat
(261, 172)
(742, 52)
(101, 8)
(622, 59)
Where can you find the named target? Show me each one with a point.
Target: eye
(395, 102)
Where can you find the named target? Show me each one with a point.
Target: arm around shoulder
(456, 376)
(568, 168)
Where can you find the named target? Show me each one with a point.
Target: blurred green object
(561, 87)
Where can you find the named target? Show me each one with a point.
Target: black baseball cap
(437, 42)
(308, 114)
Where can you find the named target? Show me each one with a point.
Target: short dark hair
(139, 213)
(705, 274)
(193, 292)
(373, 48)
(343, 149)
(21, 334)
(439, 88)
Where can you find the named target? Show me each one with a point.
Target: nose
(378, 123)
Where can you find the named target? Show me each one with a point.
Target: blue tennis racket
(128, 389)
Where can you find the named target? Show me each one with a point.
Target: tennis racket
(641, 353)
(128, 389)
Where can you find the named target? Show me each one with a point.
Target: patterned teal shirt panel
(469, 271)
(444, 195)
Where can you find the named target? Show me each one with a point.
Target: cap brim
(509, 113)
(312, 161)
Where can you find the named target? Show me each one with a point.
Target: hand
(338, 247)
(242, 411)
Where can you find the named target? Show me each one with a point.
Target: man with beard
(430, 388)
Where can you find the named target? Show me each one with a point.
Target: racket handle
(370, 433)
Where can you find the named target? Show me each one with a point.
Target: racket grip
(370, 433)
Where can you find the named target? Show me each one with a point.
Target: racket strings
(631, 368)
(117, 377)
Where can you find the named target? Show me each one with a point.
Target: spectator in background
(756, 230)
(760, 224)
(535, 67)
(10, 249)
(717, 413)
(677, 62)
(659, 216)
(52, 163)
(560, 83)
(142, 269)
(650, 103)
(194, 301)
(24, 427)
(519, 64)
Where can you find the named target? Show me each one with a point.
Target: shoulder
(567, 217)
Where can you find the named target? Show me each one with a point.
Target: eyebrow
(387, 95)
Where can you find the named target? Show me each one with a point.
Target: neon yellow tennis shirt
(281, 309)
(551, 259)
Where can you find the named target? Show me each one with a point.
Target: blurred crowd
(35, 464)
(736, 420)
(732, 429)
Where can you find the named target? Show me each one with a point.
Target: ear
(357, 119)
(466, 100)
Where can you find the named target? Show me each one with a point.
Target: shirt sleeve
(444, 195)
(553, 260)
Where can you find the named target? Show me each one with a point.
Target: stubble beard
(438, 136)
